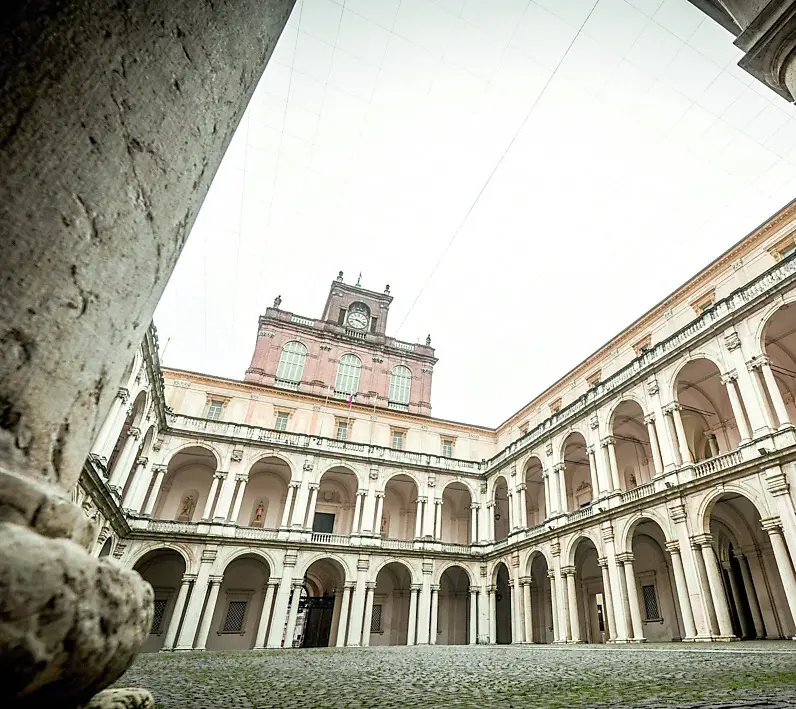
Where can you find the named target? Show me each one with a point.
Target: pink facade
(354, 322)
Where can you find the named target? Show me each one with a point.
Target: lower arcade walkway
(737, 675)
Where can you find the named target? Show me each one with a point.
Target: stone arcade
(112, 124)
(646, 496)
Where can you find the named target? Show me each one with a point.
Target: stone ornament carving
(483, 488)
(652, 387)
(594, 422)
(263, 332)
(732, 341)
(373, 474)
(308, 466)
(237, 455)
(548, 448)
(432, 480)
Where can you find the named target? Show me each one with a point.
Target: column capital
(349, 585)
(649, 418)
(526, 581)
(187, 578)
(491, 589)
(590, 449)
(362, 493)
(215, 579)
(490, 504)
(677, 513)
(474, 591)
(220, 474)
(379, 493)
(159, 468)
(475, 506)
(702, 540)
(415, 587)
(551, 575)
(242, 477)
(625, 557)
(607, 441)
(559, 467)
(758, 362)
(134, 432)
(370, 585)
(607, 533)
(772, 525)
(295, 484)
(435, 587)
(729, 376)
(568, 570)
(602, 562)
(142, 460)
(422, 499)
(314, 486)
(673, 547)
(672, 407)
(272, 583)
(123, 394)
(522, 487)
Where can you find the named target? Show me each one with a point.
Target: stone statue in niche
(383, 528)
(259, 515)
(186, 509)
(631, 481)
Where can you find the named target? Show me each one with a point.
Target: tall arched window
(291, 364)
(400, 386)
(347, 381)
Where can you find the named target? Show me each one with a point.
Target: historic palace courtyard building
(645, 496)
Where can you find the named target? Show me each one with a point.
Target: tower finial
(359, 280)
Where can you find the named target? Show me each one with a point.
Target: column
(716, 586)
(358, 605)
(527, 611)
(419, 516)
(730, 381)
(176, 614)
(292, 615)
(683, 598)
(784, 563)
(379, 512)
(547, 503)
(523, 506)
(773, 390)
(472, 634)
(428, 516)
(265, 615)
(492, 615)
(438, 518)
(207, 615)
(291, 491)
(432, 640)
(280, 608)
(560, 470)
(595, 485)
(564, 619)
(682, 442)
(300, 506)
(357, 524)
(751, 595)
(342, 626)
(224, 504)
(473, 523)
(370, 590)
(160, 472)
(490, 513)
(194, 608)
(112, 425)
(517, 624)
(368, 507)
(510, 511)
(238, 501)
(736, 601)
(632, 597)
(412, 631)
(124, 462)
(655, 445)
(211, 497)
(138, 480)
(617, 586)
(610, 445)
(554, 606)
(311, 506)
(424, 607)
(609, 619)
(572, 603)
(485, 527)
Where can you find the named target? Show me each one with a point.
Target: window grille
(291, 362)
(157, 616)
(400, 384)
(342, 431)
(281, 421)
(236, 610)
(447, 449)
(375, 619)
(398, 440)
(348, 374)
(650, 603)
(215, 409)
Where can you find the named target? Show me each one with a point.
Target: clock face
(357, 320)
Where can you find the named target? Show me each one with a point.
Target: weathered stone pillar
(207, 615)
(342, 626)
(472, 634)
(414, 590)
(265, 615)
(432, 638)
(113, 121)
(572, 602)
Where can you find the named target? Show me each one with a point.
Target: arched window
(400, 385)
(347, 381)
(291, 364)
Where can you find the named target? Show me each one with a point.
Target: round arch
(321, 556)
(711, 497)
(352, 469)
(674, 375)
(451, 564)
(209, 447)
(765, 320)
(463, 482)
(139, 555)
(625, 537)
(572, 547)
(533, 555)
(394, 560)
(404, 474)
(260, 457)
(224, 560)
(574, 430)
(624, 398)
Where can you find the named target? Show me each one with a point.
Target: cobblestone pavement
(686, 676)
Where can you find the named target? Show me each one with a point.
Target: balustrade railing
(450, 548)
(170, 526)
(256, 533)
(638, 492)
(582, 513)
(327, 538)
(720, 462)
(397, 544)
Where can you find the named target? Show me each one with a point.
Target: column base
(620, 641)
(637, 641)
(725, 638)
(576, 642)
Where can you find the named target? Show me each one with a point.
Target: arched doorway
(319, 614)
(399, 519)
(453, 617)
(541, 616)
(586, 596)
(501, 615)
(500, 510)
(336, 503)
(655, 584)
(744, 565)
(577, 472)
(456, 514)
(264, 500)
(632, 446)
(535, 503)
(390, 622)
(707, 418)
(238, 609)
(779, 344)
(187, 485)
(163, 569)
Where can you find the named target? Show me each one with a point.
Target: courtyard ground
(652, 676)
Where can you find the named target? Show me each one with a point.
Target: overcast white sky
(630, 151)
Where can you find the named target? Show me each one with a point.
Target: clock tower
(307, 355)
